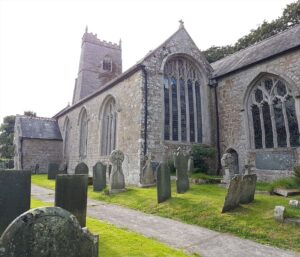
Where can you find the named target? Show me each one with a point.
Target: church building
(246, 104)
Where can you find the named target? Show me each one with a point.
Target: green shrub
(297, 173)
(201, 155)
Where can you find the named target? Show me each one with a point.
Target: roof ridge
(257, 43)
(37, 118)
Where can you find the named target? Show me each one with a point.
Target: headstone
(147, 178)
(99, 176)
(117, 179)
(232, 198)
(163, 183)
(191, 167)
(48, 231)
(15, 187)
(279, 213)
(248, 188)
(181, 165)
(71, 194)
(227, 162)
(53, 170)
(81, 168)
(294, 203)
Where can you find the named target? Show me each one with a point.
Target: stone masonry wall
(232, 91)
(128, 102)
(182, 45)
(41, 152)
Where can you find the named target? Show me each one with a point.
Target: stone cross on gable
(181, 24)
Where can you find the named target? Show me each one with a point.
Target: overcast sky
(40, 40)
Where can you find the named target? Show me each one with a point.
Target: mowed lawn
(116, 242)
(202, 205)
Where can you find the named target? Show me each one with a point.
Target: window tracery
(182, 100)
(272, 114)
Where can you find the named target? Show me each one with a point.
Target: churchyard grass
(202, 205)
(122, 243)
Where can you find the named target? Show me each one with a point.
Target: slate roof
(272, 46)
(39, 128)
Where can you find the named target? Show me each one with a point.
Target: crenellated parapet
(92, 38)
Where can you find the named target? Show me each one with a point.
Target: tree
(30, 113)
(290, 17)
(7, 136)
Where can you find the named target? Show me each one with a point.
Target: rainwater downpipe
(145, 107)
(214, 84)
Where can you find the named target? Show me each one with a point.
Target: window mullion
(187, 106)
(286, 124)
(275, 142)
(263, 132)
(171, 109)
(195, 112)
(178, 102)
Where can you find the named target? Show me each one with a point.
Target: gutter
(145, 107)
(214, 83)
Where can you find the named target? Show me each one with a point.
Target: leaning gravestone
(181, 165)
(147, 178)
(71, 194)
(232, 198)
(191, 167)
(53, 170)
(163, 183)
(248, 188)
(48, 231)
(99, 176)
(117, 179)
(81, 168)
(15, 187)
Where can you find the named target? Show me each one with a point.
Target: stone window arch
(108, 124)
(83, 132)
(182, 101)
(272, 115)
(66, 133)
(107, 63)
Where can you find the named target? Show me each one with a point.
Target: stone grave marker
(181, 165)
(248, 188)
(117, 179)
(227, 162)
(294, 203)
(279, 213)
(71, 194)
(163, 183)
(99, 176)
(147, 178)
(53, 170)
(15, 188)
(81, 168)
(232, 198)
(48, 231)
(191, 167)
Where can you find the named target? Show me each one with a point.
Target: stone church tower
(100, 62)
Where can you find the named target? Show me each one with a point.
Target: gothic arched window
(83, 123)
(107, 63)
(108, 127)
(182, 101)
(272, 114)
(67, 128)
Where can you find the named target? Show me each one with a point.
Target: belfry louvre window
(182, 101)
(272, 114)
(107, 64)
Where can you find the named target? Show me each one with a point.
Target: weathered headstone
(163, 183)
(48, 231)
(191, 167)
(232, 198)
(227, 164)
(81, 168)
(248, 188)
(279, 213)
(53, 170)
(147, 178)
(15, 187)
(71, 194)
(117, 179)
(181, 165)
(99, 176)
(294, 203)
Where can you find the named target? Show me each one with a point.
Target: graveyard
(201, 205)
